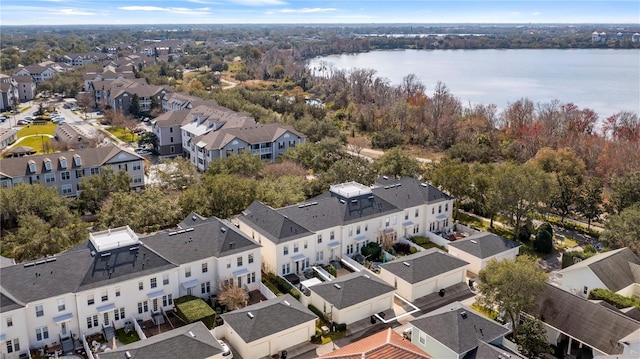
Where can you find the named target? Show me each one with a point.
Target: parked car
(58, 119)
(28, 118)
(226, 352)
(142, 151)
(23, 122)
(3, 118)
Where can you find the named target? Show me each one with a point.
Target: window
(171, 139)
(320, 237)
(172, 149)
(137, 166)
(64, 175)
(205, 268)
(118, 314)
(422, 338)
(205, 287)
(67, 189)
(250, 258)
(39, 310)
(187, 272)
(167, 300)
(332, 235)
(286, 268)
(585, 290)
(358, 229)
(9, 322)
(47, 165)
(319, 256)
(105, 317)
(439, 208)
(153, 282)
(239, 260)
(90, 300)
(446, 207)
(406, 215)
(171, 130)
(42, 333)
(417, 211)
(49, 177)
(61, 306)
(295, 248)
(95, 171)
(143, 307)
(285, 250)
(77, 160)
(105, 296)
(117, 292)
(386, 222)
(32, 167)
(305, 245)
(92, 321)
(350, 231)
(366, 227)
(137, 179)
(228, 264)
(350, 249)
(80, 173)
(13, 345)
(433, 210)
(140, 285)
(165, 279)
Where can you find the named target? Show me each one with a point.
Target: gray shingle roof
(423, 265)
(490, 351)
(171, 118)
(268, 317)
(410, 193)
(353, 288)
(210, 238)
(55, 277)
(7, 304)
(458, 328)
(192, 341)
(617, 271)
(484, 244)
(277, 227)
(591, 323)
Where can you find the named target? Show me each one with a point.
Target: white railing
(404, 240)
(437, 239)
(326, 276)
(87, 348)
(352, 264)
(266, 291)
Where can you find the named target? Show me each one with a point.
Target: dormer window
(63, 162)
(77, 160)
(47, 164)
(32, 166)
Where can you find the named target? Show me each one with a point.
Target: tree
(221, 195)
(147, 138)
(282, 191)
(396, 163)
(623, 229)
(134, 105)
(544, 240)
(177, 173)
(532, 339)
(590, 199)
(626, 192)
(243, 164)
(85, 101)
(454, 177)
(511, 286)
(484, 193)
(348, 169)
(97, 188)
(386, 239)
(232, 296)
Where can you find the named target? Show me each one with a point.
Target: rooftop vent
(192, 335)
(407, 264)
(463, 314)
(134, 248)
(93, 253)
(367, 276)
(354, 201)
(105, 254)
(193, 218)
(26, 265)
(250, 315)
(343, 201)
(385, 177)
(127, 355)
(181, 231)
(173, 233)
(337, 286)
(190, 229)
(287, 303)
(222, 229)
(51, 259)
(474, 241)
(41, 262)
(424, 184)
(314, 203)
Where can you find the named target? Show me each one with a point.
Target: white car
(226, 352)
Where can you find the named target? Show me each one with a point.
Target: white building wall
(431, 346)
(50, 310)
(575, 281)
(272, 344)
(19, 330)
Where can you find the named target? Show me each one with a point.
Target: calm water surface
(607, 81)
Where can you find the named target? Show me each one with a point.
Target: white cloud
(307, 10)
(73, 12)
(259, 2)
(172, 10)
(536, 13)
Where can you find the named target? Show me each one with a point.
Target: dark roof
(351, 289)
(484, 244)
(458, 328)
(77, 270)
(617, 271)
(192, 341)
(409, 193)
(423, 265)
(171, 118)
(7, 304)
(211, 238)
(276, 227)
(591, 323)
(490, 351)
(268, 317)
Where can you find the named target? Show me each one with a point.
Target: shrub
(317, 312)
(281, 283)
(332, 270)
(615, 299)
(413, 250)
(295, 293)
(372, 251)
(546, 227)
(402, 248)
(568, 257)
(543, 242)
(340, 327)
(195, 310)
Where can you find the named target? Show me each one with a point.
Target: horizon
(312, 12)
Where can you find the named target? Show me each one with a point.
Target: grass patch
(425, 243)
(487, 312)
(32, 129)
(35, 142)
(471, 221)
(566, 243)
(123, 134)
(193, 309)
(127, 338)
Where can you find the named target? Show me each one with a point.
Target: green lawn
(127, 338)
(489, 313)
(32, 129)
(35, 142)
(123, 134)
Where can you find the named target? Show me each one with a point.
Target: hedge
(283, 286)
(574, 226)
(567, 257)
(193, 309)
(317, 312)
(615, 299)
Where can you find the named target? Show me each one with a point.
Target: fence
(139, 330)
(87, 348)
(326, 276)
(266, 291)
(352, 264)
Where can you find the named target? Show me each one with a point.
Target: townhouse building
(118, 93)
(81, 59)
(7, 137)
(117, 276)
(341, 221)
(26, 88)
(42, 71)
(9, 94)
(65, 170)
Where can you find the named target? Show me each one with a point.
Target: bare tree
(387, 237)
(85, 101)
(232, 296)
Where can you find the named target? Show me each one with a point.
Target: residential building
(9, 94)
(73, 137)
(617, 270)
(193, 341)
(267, 328)
(118, 93)
(40, 72)
(7, 137)
(109, 73)
(574, 323)
(183, 102)
(423, 273)
(341, 221)
(65, 170)
(455, 332)
(166, 127)
(480, 248)
(81, 59)
(384, 344)
(352, 297)
(26, 88)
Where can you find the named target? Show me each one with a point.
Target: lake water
(607, 81)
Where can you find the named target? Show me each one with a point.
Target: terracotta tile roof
(383, 345)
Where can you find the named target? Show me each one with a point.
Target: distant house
(572, 322)
(617, 270)
(480, 248)
(7, 137)
(119, 92)
(193, 341)
(353, 297)
(9, 94)
(38, 72)
(26, 87)
(456, 332)
(267, 328)
(385, 344)
(65, 170)
(423, 273)
(73, 137)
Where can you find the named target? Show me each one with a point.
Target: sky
(132, 12)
